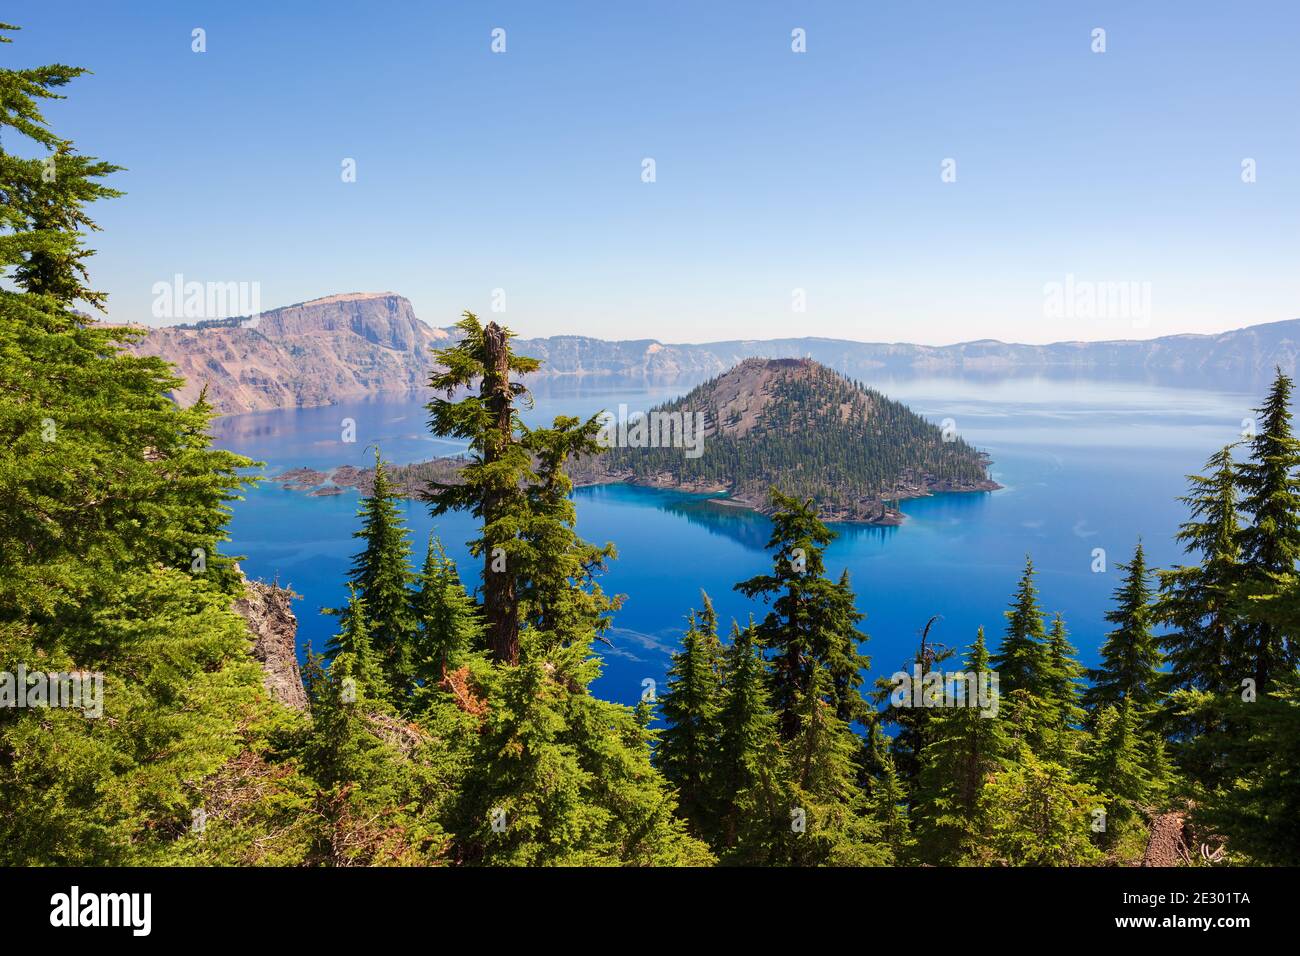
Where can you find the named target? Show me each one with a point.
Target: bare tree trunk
(500, 603)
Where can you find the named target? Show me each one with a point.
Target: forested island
(790, 424)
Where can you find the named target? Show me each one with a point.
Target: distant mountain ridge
(351, 345)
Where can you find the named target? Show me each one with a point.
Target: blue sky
(775, 171)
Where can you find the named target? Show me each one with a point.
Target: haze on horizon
(781, 178)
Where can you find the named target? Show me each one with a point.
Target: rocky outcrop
(267, 610)
(348, 346)
(309, 354)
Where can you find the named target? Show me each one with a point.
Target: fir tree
(446, 618)
(113, 507)
(748, 787)
(969, 746)
(536, 570)
(1130, 655)
(381, 574)
(1115, 766)
(838, 825)
(914, 722)
(813, 624)
(690, 705)
(1063, 689)
(1197, 600)
(1021, 662)
(1270, 539)
(1034, 814)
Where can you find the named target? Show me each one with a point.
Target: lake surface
(1086, 464)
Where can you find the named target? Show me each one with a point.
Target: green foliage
(1021, 661)
(690, 706)
(812, 626)
(448, 626)
(1269, 539)
(381, 576)
(1034, 814)
(865, 446)
(536, 570)
(1130, 656)
(749, 770)
(966, 750)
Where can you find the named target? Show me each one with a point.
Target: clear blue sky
(775, 170)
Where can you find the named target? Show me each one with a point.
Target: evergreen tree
(838, 827)
(914, 722)
(381, 574)
(561, 778)
(1021, 662)
(1196, 600)
(748, 779)
(1063, 694)
(1033, 814)
(446, 618)
(968, 748)
(887, 801)
(1130, 656)
(536, 570)
(690, 705)
(1270, 539)
(813, 623)
(113, 508)
(1115, 766)
(1255, 803)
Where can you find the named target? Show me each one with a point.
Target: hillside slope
(797, 425)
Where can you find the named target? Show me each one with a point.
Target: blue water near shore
(1085, 464)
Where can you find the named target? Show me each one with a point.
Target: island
(793, 424)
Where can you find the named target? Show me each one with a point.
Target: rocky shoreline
(410, 480)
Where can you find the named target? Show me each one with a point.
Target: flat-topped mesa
(801, 427)
(312, 353)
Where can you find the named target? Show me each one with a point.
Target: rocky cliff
(348, 346)
(267, 610)
(312, 353)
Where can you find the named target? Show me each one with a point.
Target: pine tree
(561, 778)
(690, 705)
(748, 780)
(1130, 655)
(1034, 814)
(813, 624)
(968, 747)
(381, 574)
(1021, 662)
(838, 824)
(914, 722)
(1197, 600)
(113, 507)
(887, 801)
(1270, 540)
(1257, 806)
(1115, 766)
(1063, 690)
(446, 618)
(536, 570)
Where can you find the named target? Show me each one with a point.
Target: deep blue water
(1085, 464)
